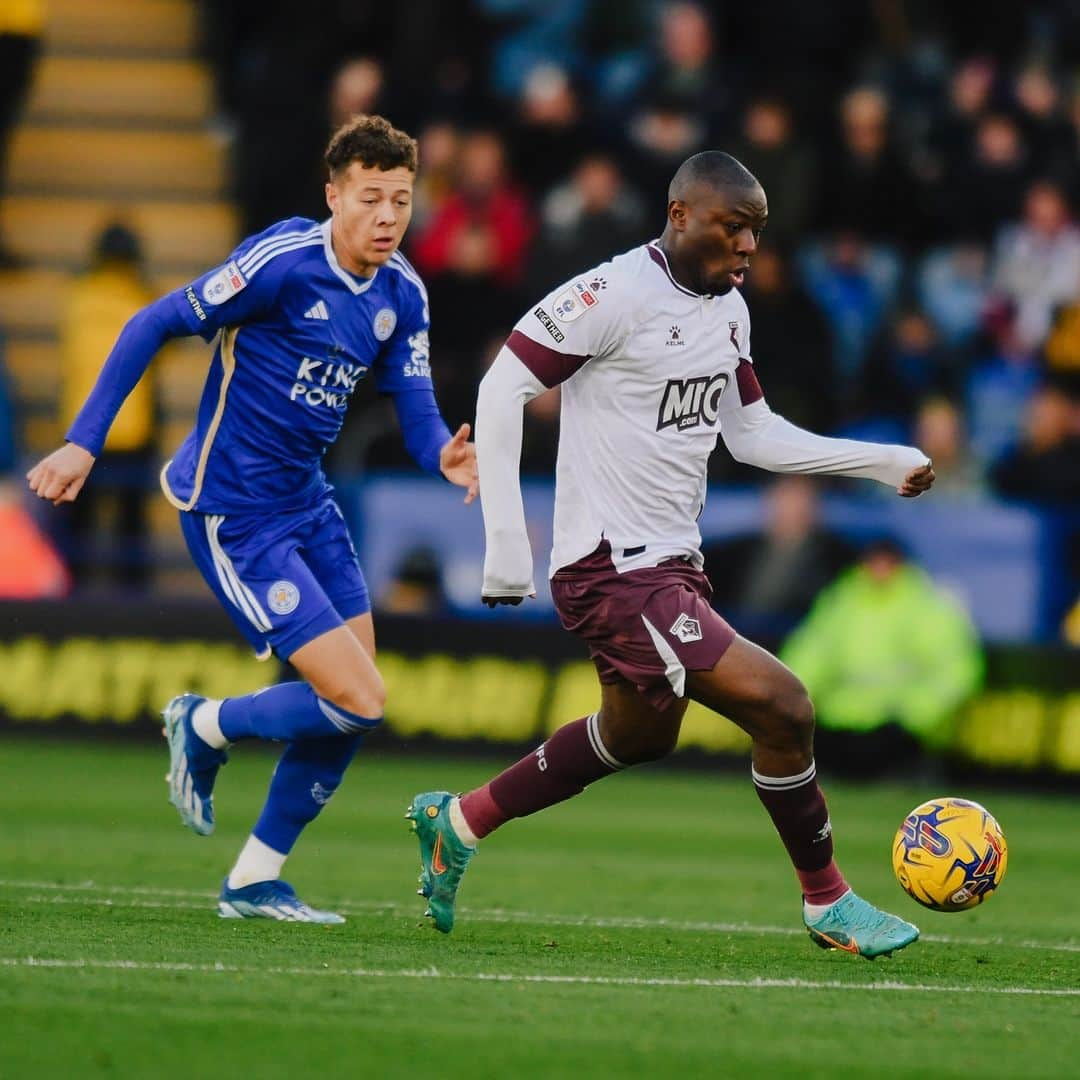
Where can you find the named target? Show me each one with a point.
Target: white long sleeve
(508, 558)
(755, 435)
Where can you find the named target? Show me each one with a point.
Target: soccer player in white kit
(652, 351)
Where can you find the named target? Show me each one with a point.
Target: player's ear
(331, 196)
(676, 212)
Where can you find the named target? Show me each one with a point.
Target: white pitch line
(510, 977)
(499, 915)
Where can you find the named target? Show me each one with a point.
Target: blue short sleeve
(246, 285)
(405, 361)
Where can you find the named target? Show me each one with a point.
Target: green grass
(579, 940)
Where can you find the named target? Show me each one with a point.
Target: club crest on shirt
(686, 629)
(572, 303)
(384, 323)
(227, 282)
(283, 597)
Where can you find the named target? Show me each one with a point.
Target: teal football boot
(443, 857)
(854, 926)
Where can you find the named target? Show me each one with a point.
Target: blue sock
(306, 776)
(288, 711)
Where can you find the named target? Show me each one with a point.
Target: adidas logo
(319, 311)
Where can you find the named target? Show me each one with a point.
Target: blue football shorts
(284, 578)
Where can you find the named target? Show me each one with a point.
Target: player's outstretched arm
(60, 476)
(755, 435)
(508, 562)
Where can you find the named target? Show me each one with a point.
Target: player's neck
(676, 267)
(346, 260)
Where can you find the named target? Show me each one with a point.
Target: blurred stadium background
(920, 281)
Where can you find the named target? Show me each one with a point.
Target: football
(949, 854)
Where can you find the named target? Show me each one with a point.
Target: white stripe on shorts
(675, 672)
(242, 597)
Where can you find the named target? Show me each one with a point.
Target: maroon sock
(562, 767)
(797, 807)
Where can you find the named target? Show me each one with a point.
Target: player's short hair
(374, 142)
(718, 170)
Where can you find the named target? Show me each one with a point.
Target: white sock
(815, 911)
(461, 826)
(205, 722)
(257, 862)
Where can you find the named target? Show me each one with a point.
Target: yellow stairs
(118, 125)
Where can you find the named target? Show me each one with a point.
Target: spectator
(21, 27)
(1037, 263)
(906, 363)
(416, 586)
(953, 287)
(939, 433)
(986, 186)
(867, 187)
(998, 387)
(889, 658)
(1062, 349)
(440, 147)
(796, 369)
(528, 33)
(1042, 117)
(952, 134)
(99, 304)
(686, 74)
(549, 135)
(357, 87)
(482, 230)
(855, 285)
(786, 167)
(659, 137)
(582, 221)
(1045, 466)
(767, 581)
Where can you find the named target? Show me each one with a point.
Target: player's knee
(796, 711)
(786, 716)
(365, 697)
(639, 747)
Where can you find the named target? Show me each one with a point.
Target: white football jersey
(648, 371)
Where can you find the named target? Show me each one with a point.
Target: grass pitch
(648, 928)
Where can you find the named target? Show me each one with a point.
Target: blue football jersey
(297, 333)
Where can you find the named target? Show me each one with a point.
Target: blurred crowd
(919, 279)
(920, 275)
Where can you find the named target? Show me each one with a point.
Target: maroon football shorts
(647, 627)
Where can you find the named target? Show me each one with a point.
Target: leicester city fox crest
(283, 597)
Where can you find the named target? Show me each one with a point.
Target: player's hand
(917, 481)
(513, 601)
(60, 476)
(457, 460)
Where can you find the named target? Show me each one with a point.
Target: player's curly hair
(374, 142)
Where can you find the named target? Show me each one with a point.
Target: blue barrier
(1004, 562)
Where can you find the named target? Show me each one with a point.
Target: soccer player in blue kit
(302, 312)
